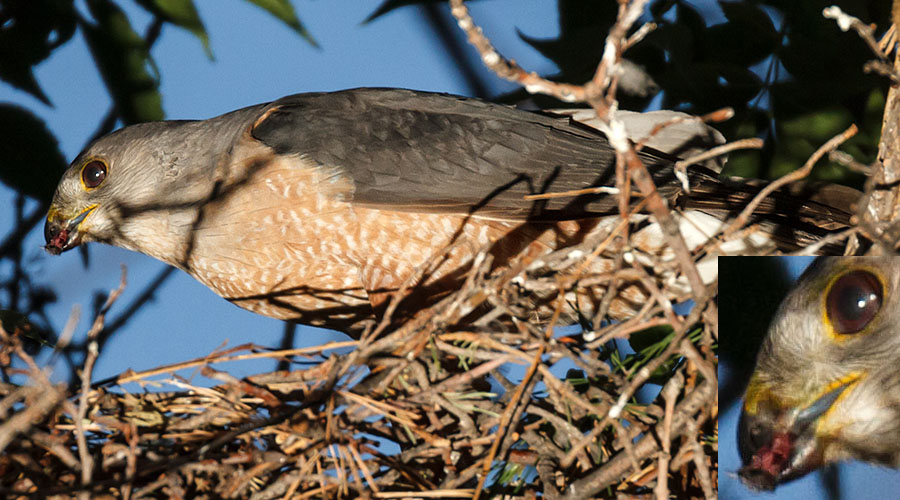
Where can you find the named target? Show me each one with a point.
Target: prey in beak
(62, 234)
(779, 444)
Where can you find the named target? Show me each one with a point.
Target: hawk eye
(853, 301)
(93, 173)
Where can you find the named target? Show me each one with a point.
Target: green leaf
(660, 8)
(29, 32)
(578, 380)
(389, 5)
(123, 59)
(727, 42)
(181, 13)
(817, 127)
(30, 160)
(740, 84)
(577, 49)
(648, 345)
(800, 135)
(14, 320)
(651, 339)
(283, 10)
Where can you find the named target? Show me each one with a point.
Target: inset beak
(780, 444)
(62, 234)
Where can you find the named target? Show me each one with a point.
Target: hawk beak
(781, 444)
(62, 234)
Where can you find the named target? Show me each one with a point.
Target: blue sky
(257, 59)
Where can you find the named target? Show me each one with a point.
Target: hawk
(316, 207)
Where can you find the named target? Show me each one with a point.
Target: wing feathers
(439, 153)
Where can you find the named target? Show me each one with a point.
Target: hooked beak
(781, 444)
(62, 234)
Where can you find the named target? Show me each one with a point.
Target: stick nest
(476, 396)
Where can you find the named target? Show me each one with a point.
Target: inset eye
(93, 173)
(853, 301)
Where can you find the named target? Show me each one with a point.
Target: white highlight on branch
(618, 136)
(463, 22)
(844, 21)
(575, 254)
(633, 12)
(681, 175)
(616, 410)
(609, 61)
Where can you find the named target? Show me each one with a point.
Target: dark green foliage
(29, 31)
(181, 13)
(390, 5)
(123, 58)
(775, 62)
(284, 11)
(30, 160)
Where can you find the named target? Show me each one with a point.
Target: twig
(506, 68)
(815, 248)
(847, 160)
(669, 393)
(681, 165)
(457, 493)
(832, 144)
(846, 22)
(87, 462)
(222, 357)
(506, 418)
(615, 467)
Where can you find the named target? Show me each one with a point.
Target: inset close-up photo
(809, 377)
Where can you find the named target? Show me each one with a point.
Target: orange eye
(93, 173)
(853, 301)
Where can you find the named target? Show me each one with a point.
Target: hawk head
(827, 382)
(138, 188)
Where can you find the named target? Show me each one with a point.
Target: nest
(473, 397)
